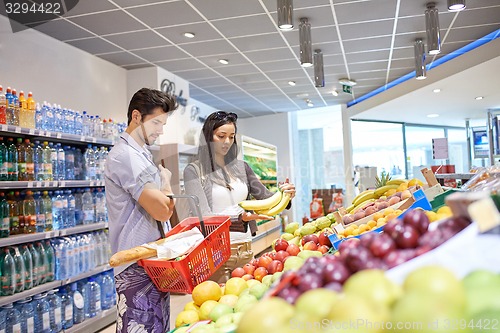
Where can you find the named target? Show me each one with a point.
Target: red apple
(323, 238)
(311, 245)
(309, 238)
(293, 249)
(274, 266)
(254, 262)
(259, 273)
(280, 244)
(281, 255)
(264, 261)
(249, 268)
(238, 272)
(323, 249)
(247, 277)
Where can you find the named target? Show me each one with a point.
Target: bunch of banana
(271, 206)
(363, 196)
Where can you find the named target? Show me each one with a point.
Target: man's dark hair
(146, 100)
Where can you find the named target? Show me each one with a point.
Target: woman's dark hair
(146, 100)
(206, 156)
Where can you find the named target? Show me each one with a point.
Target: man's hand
(165, 175)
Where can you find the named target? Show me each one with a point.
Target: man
(136, 196)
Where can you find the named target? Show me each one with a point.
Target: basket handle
(194, 202)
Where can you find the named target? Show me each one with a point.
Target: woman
(221, 181)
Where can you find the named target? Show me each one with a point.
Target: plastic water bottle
(97, 249)
(19, 271)
(37, 264)
(38, 159)
(27, 310)
(60, 259)
(12, 318)
(67, 308)
(77, 254)
(39, 212)
(71, 216)
(84, 254)
(78, 125)
(107, 290)
(57, 211)
(78, 206)
(91, 248)
(69, 162)
(47, 210)
(70, 258)
(88, 207)
(55, 312)
(94, 297)
(48, 172)
(53, 161)
(49, 252)
(42, 314)
(85, 123)
(4, 165)
(100, 206)
(58, 119)
(38, 117)
(8, 268)
(78, 304)
(28, 266)
(79, 168)
(4, 217)
(43, 270)
(90, 165)
(61, 162)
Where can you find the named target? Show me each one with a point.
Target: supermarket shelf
(95, 271)
(107, 317)
(83, 228)
(27, 238)
(81, 183)
(50, 184)
(33, 291)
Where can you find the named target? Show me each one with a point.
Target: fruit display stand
(269, 230)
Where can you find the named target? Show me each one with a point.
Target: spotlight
(432, 28)
(456, 5)
(285, 15)
(188, 35)
(224, 61)
(305, 43)
(419, 59)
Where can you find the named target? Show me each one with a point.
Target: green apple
(230, 328)
(483, 298)
(267, 280)
(219, 310)
(253, 282)
(224, 320)
(292, 262)
(244, 301)
(316, 303)
(276, 276)
(373, 285)
(258, 290)
(481, 278)
(266, 316)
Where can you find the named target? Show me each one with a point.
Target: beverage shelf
(8, 185)
(95, 271)
(105, 318)
(83, 228)
(27, 238)
(60, 137)
(33, 291)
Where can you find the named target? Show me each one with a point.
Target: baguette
(134, 254)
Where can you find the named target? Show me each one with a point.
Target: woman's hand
(287, 187)
(249, 216)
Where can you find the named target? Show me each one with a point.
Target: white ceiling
(370, 41)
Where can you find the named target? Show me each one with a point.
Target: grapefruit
(208, 290)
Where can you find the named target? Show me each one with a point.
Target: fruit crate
(439, 200)
(182, 274)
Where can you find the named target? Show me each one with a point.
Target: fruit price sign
(440, 149)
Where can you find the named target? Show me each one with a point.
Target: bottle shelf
(7, 185)
(105, 318)
(60, 137)
(27, 238)
(51, 285)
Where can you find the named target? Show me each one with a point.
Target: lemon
(186, 317)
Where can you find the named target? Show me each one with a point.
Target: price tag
(58, 135)
(485, 213)
(4, 127)
(94, 140)
(30, 184)
(82, 138)
(17, 129)
(92, 183)
(31, 131)
(62, 183)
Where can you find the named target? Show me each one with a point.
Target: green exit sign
(347, 89)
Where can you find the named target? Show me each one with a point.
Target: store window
(419, 148)
(457, 144)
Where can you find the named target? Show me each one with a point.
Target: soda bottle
(10, 107)
(47, 210)
(38, 270)
(16, 107)
(28, 266)
(67, 308)
(55, 307)
(4, 165)
(19, 273)
(8, 268)
(12, 160)
(13, 214)
(31, 108)
(38, 159)
(29, 213)
(21, 160)
(78, 304)
(47, 161)
(4, 216)
(3, 107)
(29, 158)
(49, 251)
(12, 318)
(27, 310)
(40, 212)
(23, 109)
(44, 268)
(42, 314)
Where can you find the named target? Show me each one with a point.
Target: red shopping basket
(200, 263)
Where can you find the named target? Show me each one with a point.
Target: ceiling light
(478, 98)
(309, 103)
(224, 61)
(292, 83)
(319, 72)
(285, 15)
(420, 71)
(302, 95)
(433, 115)
(305, 43)
(432, 28)
(347, 82)
(437, 90)
(188, 35)
(456, 5)
(335, 93)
